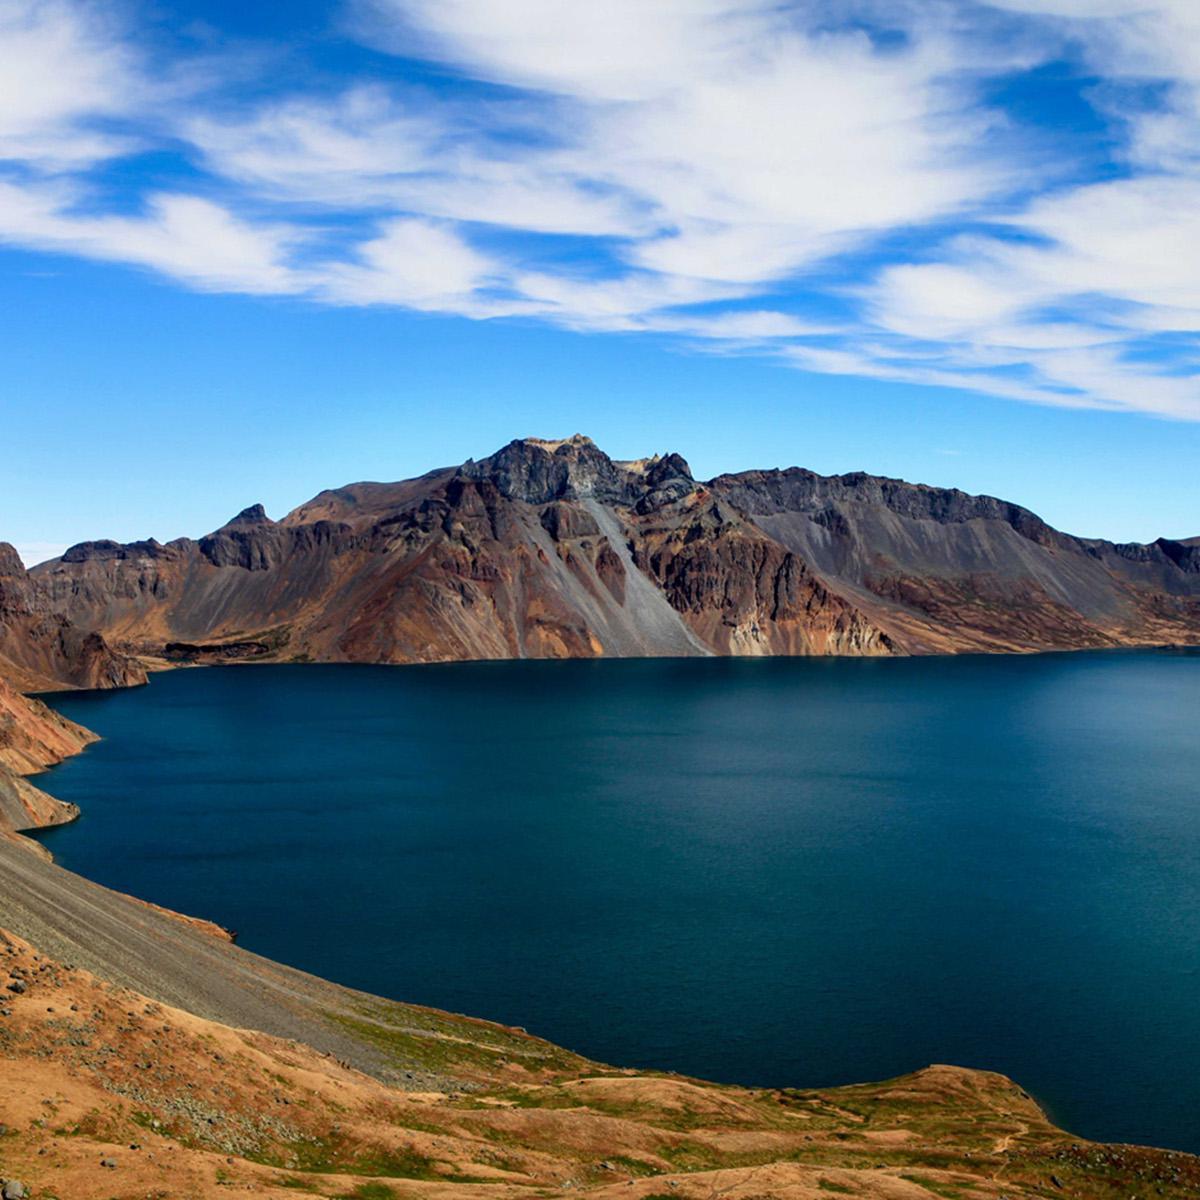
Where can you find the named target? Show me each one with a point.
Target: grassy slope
(186, 1108)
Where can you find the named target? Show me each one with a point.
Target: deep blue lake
(800, 872)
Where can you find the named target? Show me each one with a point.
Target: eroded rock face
(42, 650)
(797, 490)
(743, 592)
(11, 566)
(551, 549)
(102, 550)
(1185, 556)
(667, 480)
(33, 736)
(941, 570)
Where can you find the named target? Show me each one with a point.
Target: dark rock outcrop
(536, 472)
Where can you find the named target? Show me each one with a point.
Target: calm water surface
(771, 872)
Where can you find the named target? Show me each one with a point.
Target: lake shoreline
(247, 695)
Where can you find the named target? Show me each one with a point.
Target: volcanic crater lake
(773, 872)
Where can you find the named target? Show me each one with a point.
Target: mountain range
(552, 549)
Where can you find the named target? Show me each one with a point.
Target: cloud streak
(837, 186)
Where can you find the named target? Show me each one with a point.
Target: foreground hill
(142, 1055)
(552, 549)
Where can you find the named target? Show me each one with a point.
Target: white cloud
(613, 303)
(694, 168)
(186, 237)
(62, 71)
(749, 326)
(321, 151)
(369, 149)
(1089, 275)
(759, 143)
(1138, 41)
(620, 51)
(942, 301)
(1114, 257)
(415, 263)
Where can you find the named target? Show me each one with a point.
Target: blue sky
(248, 251)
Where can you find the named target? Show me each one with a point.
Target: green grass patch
(932, 1185)
(370, 1191)
(414, 1037)
(335, 1156)
(633, 1166)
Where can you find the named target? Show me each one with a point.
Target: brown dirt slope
(32, 736)
(105, 1092)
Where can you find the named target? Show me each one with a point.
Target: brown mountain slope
(32, 736)
(942, 570)
(42, 650)
(552, 549)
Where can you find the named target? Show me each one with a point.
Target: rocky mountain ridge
(554, 549)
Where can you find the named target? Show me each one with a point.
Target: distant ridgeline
(551, 549)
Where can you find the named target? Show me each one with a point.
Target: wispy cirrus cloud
(843, 186)
(1084, 294)
(63, 72)
(189, 238)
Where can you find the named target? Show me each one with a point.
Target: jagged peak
(541, 470)
(668, 466)
(538, 470)
(254, 515)
(638, 466)
(657, 464)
